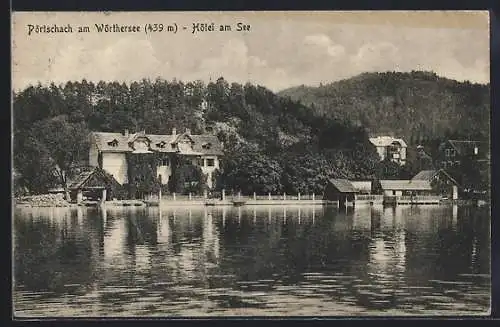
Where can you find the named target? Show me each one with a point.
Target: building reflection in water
(224, 216)
(361, 218)
(115, 234)
(79, 215)
(164, 233)
(104, 216)
(454, 216)
(186, 239)
(211, 242)
(142, 258)
(275, 213)
(387, 249)
(182, 257)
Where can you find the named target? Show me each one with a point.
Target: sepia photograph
(250, 164)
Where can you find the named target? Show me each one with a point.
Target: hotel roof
(204, 144)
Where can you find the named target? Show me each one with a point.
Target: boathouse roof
(92, 178)
(428, 175)
(425, 175)
(362, 186)
(342, 185)
(406, 185)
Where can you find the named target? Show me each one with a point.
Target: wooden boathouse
(95, 184)
(340, 191)
(408, 192)
(442, 183)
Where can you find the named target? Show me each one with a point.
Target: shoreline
(57, 200)
(220, 203)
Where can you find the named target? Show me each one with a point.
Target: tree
(309, 143)
(306, 172)
(65, 143)
(250, 171)
(188, 178)
(473, 176)
(389, 170)
(142, 174)
(32, 164)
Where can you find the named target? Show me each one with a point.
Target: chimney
(174, 131)
(188, 131)
(125, 133)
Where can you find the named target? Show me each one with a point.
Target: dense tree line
(418, 106)
(271, 143)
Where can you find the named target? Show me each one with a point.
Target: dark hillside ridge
(418, 106)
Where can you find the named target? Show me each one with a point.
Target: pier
(420, 200)
(235, 200)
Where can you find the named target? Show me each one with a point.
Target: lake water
(262, 260)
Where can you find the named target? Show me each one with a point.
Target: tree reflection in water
(203, 260)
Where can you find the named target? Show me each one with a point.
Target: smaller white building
(390, 147)
(406, 187)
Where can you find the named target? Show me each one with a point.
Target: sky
(281, 49)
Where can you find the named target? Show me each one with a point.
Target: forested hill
(418, 106)
(272, 144)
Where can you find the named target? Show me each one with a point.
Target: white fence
(236, 197)
(369, 197)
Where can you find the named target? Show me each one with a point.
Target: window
(476, 150)
(210, 162)
(165, 162)
(452, 153)
(199, 162)
(447, 152)
(140, 145)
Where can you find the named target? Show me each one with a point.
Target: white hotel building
(109, 152)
